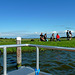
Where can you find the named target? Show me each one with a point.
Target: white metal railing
(31, 45)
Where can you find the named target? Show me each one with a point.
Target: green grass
(62, 43)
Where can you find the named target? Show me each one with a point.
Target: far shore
(62, 43)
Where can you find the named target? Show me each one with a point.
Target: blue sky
(26, 18)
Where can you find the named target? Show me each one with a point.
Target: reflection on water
(51, 61)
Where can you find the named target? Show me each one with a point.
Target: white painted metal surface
(22, 71)
(5, 61)
(40, 46)
(26, 71)
(37, 58)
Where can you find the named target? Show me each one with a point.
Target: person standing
(67, 33)
(70, 35)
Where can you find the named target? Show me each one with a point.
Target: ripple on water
(63, 67)
(46, 65)
(72, 64)
(11, 62)
(57, 62)
(66, 67)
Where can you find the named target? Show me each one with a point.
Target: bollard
(18, 41)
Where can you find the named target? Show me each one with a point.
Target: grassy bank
(62, 43)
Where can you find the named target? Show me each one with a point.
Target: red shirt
(57, 36)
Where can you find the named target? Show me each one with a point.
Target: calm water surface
(51, 61)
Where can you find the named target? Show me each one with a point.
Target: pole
(18, 52)
(37, 58)
(37, 70)
(5, 61)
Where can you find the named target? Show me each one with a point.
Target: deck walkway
(26, 71)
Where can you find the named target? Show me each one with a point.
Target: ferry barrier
(37, 53)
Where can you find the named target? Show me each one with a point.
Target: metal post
(18, 52)
(5, 61)
(37, 58)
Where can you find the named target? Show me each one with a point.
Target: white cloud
(31, 35)
(54, 32)
(36, 33)
(71, 31)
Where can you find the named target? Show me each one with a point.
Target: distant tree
(6, 38)
(1, 38)
(11, 38)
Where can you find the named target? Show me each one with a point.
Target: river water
(51, 61)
